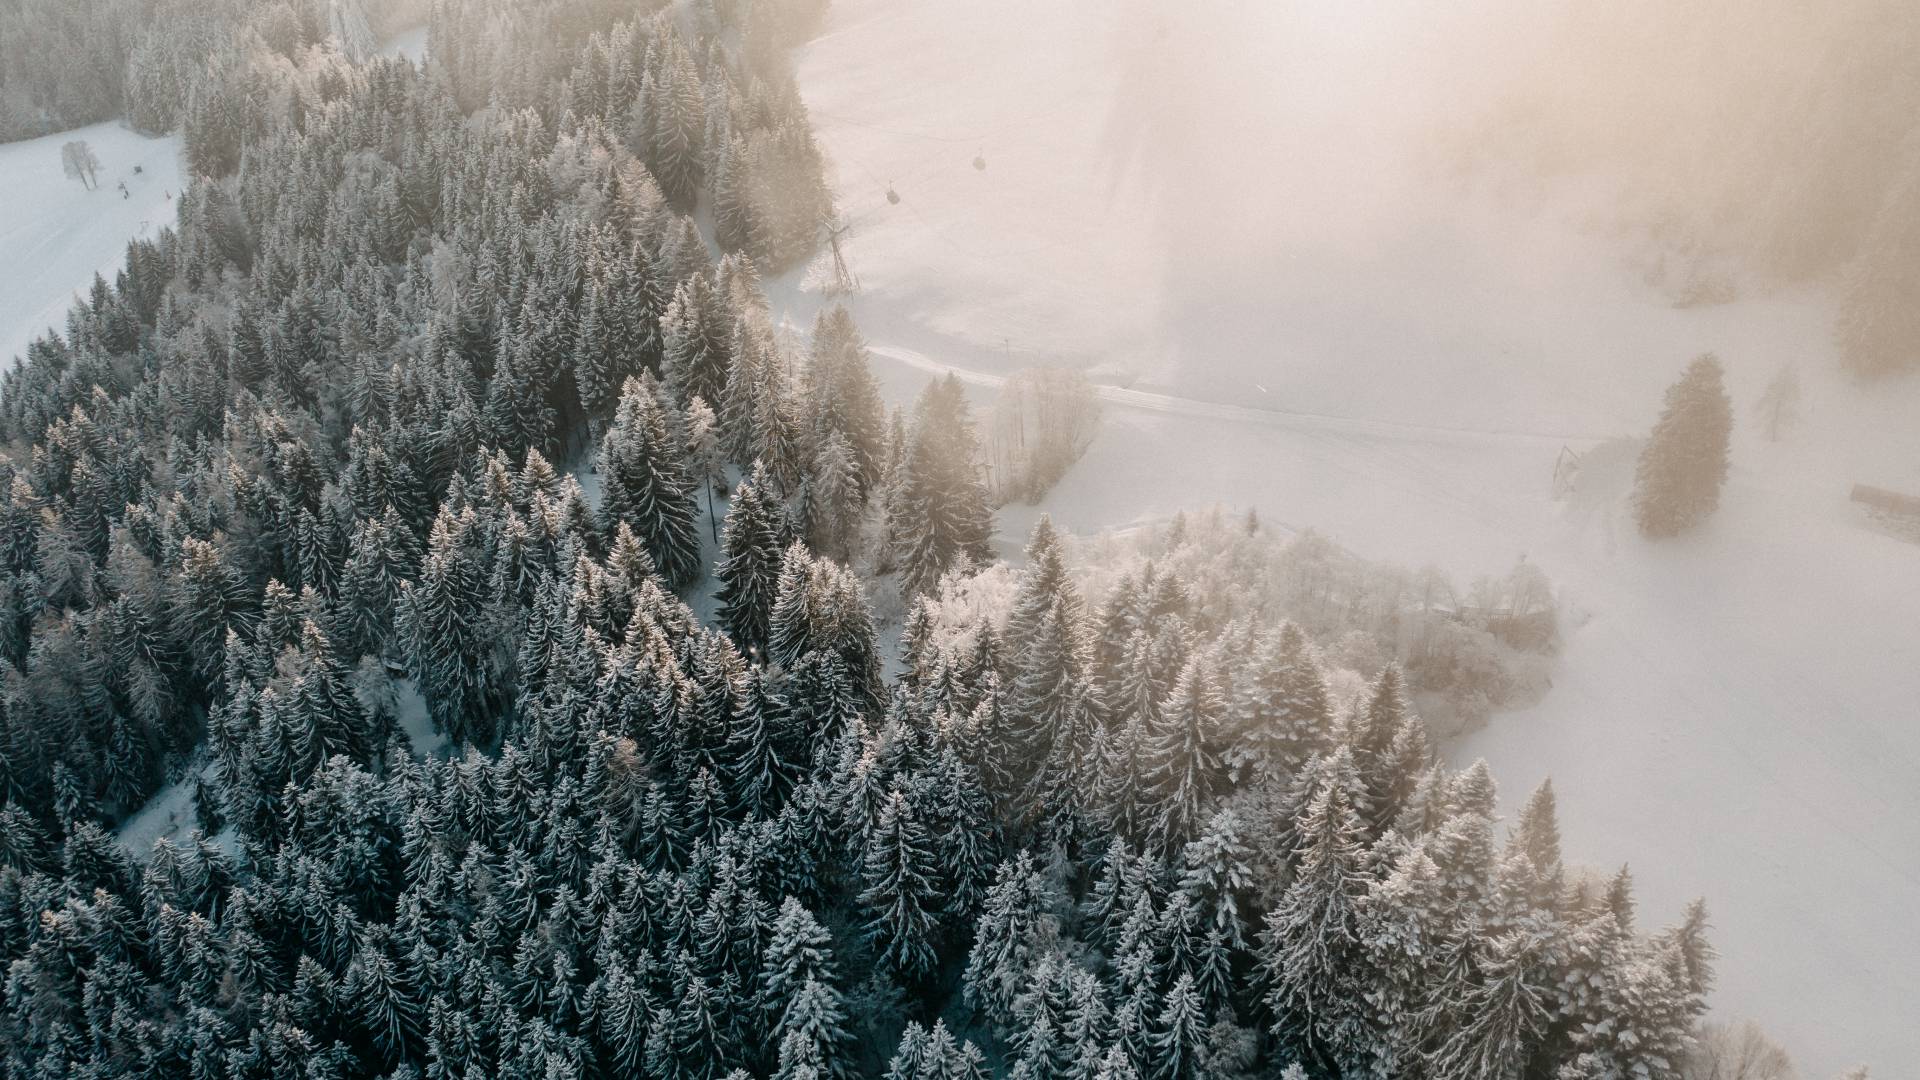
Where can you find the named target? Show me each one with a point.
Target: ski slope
(1224, 213)
(57, 234)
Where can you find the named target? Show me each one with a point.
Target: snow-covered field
(1239, 222)
(57, 234)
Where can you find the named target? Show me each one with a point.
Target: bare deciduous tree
(1042, 422)
(1738, 1052)
(80, 163)
(1779, 407)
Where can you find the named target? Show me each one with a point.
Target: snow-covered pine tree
(938, 512)
(1016, 931)
(751, 551)
(1280, 712)
(902, 890)
(1500, 1017)
(1311, 936)
(1684, 463)
(697, 336)
(645, 485)
(843, 397)
(1183, 761)
(440, 620)
(830, 497)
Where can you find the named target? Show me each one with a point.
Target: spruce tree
(751, 548)
(902, 890)
(1182, 757)
(646, 485)
(938, 512)
(1310, 937)
(1684, 464)
(845, 400)
(1015, 932)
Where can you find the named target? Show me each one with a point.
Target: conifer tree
(844, 399)
(696, 333)
(646, 486)
(1179, 1033)
(1500, 1017)
(1182, 757)
(1684, 464)
(751, 549)
(902, 889)
(440, 614)
(1280, 712)
(1310, 937)
(938, 512)
(1016, 931)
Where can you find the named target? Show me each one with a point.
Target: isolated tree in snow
(1684, 464)
(1778, 408)
(80, 163)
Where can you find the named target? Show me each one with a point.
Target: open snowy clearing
(57, 234)
(1340, 340)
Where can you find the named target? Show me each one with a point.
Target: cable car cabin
(980, 162)
(893, 197)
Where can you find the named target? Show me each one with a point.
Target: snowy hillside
(57, 234)
(1734, 711)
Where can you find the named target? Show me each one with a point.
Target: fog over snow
(1264, 206)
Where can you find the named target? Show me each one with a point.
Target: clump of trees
(80, 163)
(1043, 421)
(1684, 464)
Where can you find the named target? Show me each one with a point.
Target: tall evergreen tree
(1684, 464)
(902, 883)
(937, 513)
(646, 486)
(751, 549)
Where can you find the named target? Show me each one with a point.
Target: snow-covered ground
(1225, 204)
(57, 234)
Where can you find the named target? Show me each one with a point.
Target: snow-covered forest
(474, 604)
